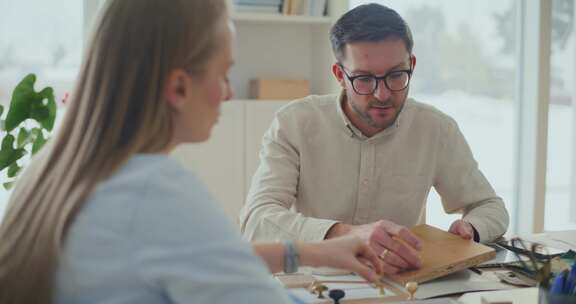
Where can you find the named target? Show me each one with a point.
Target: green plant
(31, 117)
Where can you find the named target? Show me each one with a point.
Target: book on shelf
(258, 6)
(257, 9)
(317, 7)
(304, 7)
(284, 7)
(258, 2)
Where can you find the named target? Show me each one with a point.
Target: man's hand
(463, 229)
(388, 240)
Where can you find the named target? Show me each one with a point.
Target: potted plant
(25, 126)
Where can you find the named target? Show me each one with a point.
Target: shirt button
(365, 182)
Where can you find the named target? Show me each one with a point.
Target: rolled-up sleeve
(267, 214)
(465, 189)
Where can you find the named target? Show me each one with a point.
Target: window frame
(573, 179)
(533, 94)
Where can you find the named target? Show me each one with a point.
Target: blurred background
(470, 64)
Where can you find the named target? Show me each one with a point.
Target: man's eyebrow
(362, 72)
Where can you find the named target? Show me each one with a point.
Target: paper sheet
(516, 296)
(353, 292)
(459, 282)
(564, 240)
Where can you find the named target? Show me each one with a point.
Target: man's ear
(412, 62)
(338, 74)
(176, 88)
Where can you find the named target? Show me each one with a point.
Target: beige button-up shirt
(317, 169)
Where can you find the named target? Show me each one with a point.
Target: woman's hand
(346, 252)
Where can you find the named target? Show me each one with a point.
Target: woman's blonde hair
(116, 110)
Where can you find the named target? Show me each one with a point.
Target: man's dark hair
(369, 23)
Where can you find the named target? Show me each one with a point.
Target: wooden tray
(443, 253)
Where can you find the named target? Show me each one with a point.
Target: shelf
(278, 18)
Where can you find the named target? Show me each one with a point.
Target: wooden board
(354, 286)
(296, 280)
(443, 253)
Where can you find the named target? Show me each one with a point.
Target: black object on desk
(538, 266)
(526, 248)
(336, 295)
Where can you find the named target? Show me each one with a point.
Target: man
(363, 162)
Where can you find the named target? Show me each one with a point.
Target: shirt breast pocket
(404, 197)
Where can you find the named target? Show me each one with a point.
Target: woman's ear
(177, 89)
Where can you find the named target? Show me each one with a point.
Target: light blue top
(153, 234)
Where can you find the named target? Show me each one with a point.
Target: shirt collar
(352, 130)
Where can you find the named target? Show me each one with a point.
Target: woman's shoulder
(153, 175)
(156, 189)
(174, 197)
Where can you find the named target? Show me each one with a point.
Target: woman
(103, 215)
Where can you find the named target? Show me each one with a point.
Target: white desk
(514, 296)
(562, 240)
(565, 240)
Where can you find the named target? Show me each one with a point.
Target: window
(466, 67)
(48, 42)
(41, 37)
(561, 177)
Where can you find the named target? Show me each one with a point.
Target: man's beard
(365, 116)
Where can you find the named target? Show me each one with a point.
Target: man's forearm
(490, 219)
(270, 222)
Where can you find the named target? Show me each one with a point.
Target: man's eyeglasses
(368, 84)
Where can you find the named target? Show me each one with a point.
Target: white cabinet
(219, 162)
(259, 116)
(267, 46)
(227, 162)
